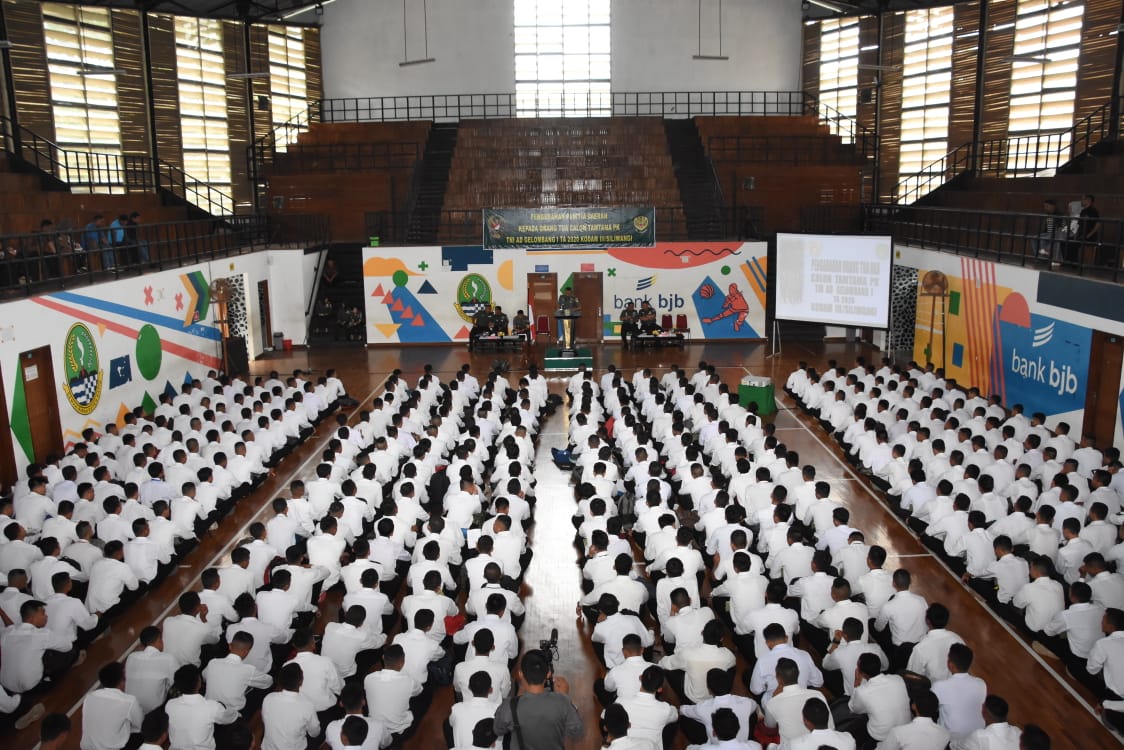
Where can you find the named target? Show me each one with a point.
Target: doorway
(38, 374)
(542, 291)
(266, 319)
(1102, 395)
(8, 475)
(588, 290)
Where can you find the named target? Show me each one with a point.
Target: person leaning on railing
(1046, 244)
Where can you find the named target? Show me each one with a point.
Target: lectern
(566, 318)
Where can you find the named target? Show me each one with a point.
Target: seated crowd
(701, 538)
(425, 496)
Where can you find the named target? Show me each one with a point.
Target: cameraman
(537, 718)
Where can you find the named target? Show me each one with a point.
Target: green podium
(763, 394)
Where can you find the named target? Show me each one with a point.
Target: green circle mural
(725, 270)
(149, 352)
(400, 278)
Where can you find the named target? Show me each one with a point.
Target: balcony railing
(1046, 241)
(43, 261)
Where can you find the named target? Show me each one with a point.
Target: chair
(681, 326)
(665, 322)
(542, 325)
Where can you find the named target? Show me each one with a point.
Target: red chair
(542, 326)
(665, 322)
(681, 326)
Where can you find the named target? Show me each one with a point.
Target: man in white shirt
(320, 681)
(234, 682)
(611, 628)
(961, 696)
(67, 614)
(647, 714)
(390, 692)
(149, 672)
(996, 733)
(843, 654)
(353, 700)
(697, 662)
(350, 646)
(288, 715)
(109, 714)
(930, 654)
(816, 718)
(110, 577)
(923, 732)
(191, 717)
(188, 635)
(786, 708)
(904, 613)
(476, 705)
(32, 652)
(483, 644)
(882, 697)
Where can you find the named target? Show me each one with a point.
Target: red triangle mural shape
(419, 320)
(379, 291)
(397, 306)
(462, 333)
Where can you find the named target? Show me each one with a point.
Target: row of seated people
(59, 250)
(1028, 517)
(712, 498)
(389, 512)
(86, 534)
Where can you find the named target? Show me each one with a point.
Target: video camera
(549, 649)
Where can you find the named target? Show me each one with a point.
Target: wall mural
(429, 294)
(903, 307)
(989, 337)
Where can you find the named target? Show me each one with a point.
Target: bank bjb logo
(84, 379)
(473, 293)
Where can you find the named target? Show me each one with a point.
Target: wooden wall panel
(810, 75)
(965, 51)
(165, 90)
(29, 67)
(132, 89)
(888, 100)
(259, 61)
(314, 71)
(997, 68)
(1099, 53)
(238, 109)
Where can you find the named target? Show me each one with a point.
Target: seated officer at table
(499, 324)
(521, 325)
(481, 323)
(648, 318)
(629, 317)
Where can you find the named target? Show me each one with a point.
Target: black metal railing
(1032, 154)
(780, 149)
(42, 261)
(1027, 239)
(110, 173)
(466, 226)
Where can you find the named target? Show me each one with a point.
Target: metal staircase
(699, 188)
(431, 177)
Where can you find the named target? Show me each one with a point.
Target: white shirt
(109, 716)
(703, 712)
(1107, 657)
(999, 736)
(465, 714)
(276, 608)
(885, 702)
(229, 679)
(624, 679)
(648, 716)
(289, 720)
(322, 683)
(962, 697)
(108, 579)
(920, 734)
(611, 632)
(184, 636)
(905, 614)
(786, 712)
(192, 719)
(66, 614)
(342, 642)
(696, 662)
(1042, 600)
(377, 734)
(23, 646)
(388, 698)
(148, 675)
(930, 655)
(501, 677)
(820, 737)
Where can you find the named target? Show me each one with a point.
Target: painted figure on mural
(735, 305)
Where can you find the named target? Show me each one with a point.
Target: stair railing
(956, 162)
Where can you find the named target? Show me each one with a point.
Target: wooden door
(542, 291)
(266, 320)
(587, 288)
(1102, 401)
(42, 401)
(8, 475)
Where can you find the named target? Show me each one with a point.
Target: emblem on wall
(472, 294)
(84, 379)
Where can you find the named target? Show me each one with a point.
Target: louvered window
(79, 46)
(839, 66)
(1043, 75)
(202, 100)
(288, 86)
(926, 86)
(562, 58)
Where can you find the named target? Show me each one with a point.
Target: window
(839, 67)
(1043, 77)
(926, 88)
(288, 90)
(562, 58)
(83, 93)
(202, 93)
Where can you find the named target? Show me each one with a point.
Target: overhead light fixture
(247, 76)
(91, 71)
(5, 44)
(318, 8)
(832, 6)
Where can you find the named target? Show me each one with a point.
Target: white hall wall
(653, 42)
(115, 314)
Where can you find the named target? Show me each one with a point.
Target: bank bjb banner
(542, 228)
(1046, 363)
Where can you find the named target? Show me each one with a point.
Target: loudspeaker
(237, 359)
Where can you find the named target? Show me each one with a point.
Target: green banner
(542, 228)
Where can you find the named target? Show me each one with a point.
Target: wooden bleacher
(800, 163)
(345, 170)
(561, 162)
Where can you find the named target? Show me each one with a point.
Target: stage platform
(554, 362)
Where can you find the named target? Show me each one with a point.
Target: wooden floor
(1036, 692)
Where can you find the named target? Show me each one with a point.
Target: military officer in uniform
(628, 323)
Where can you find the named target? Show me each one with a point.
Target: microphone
(554, 635)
